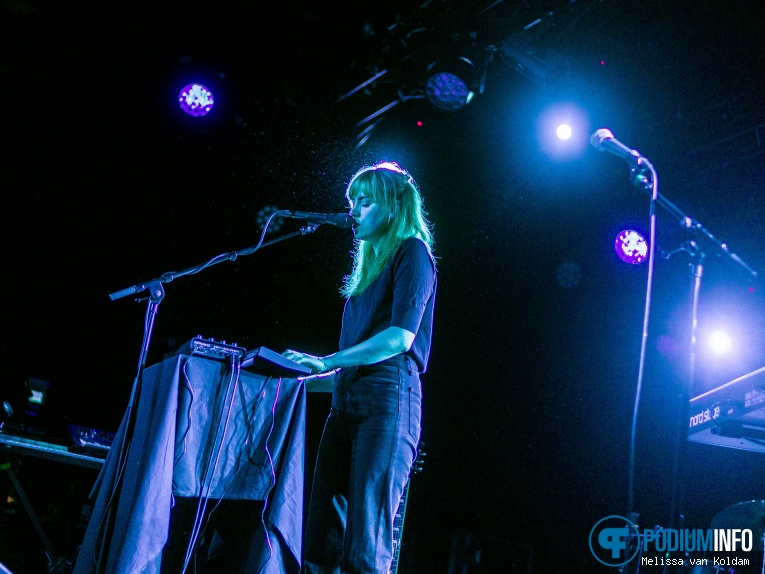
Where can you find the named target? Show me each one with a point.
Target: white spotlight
(563, 132)
(720, 342)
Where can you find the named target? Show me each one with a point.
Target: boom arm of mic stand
(639, 180)
(231, 256)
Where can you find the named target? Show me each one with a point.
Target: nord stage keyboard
(732, 415)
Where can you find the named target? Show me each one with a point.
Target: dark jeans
(366, 452)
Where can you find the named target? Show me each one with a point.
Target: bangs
(363, 183)
(378, 182)
(379, 185)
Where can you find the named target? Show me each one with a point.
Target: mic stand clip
(309, 228)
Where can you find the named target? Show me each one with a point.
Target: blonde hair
(395, 190)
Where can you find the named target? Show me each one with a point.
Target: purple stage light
(631, 247)
(447, 91)
(196, 99)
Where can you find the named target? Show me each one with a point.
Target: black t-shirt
(402, 295)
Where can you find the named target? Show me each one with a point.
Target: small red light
(602, 62)
(419, 123)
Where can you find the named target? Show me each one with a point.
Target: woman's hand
(316, 364)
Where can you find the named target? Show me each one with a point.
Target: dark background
(530, 391)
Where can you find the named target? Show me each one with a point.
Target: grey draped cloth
(201, 429)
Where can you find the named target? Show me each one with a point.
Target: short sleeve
(413, 284)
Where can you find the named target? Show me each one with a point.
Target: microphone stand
(156, 294)
(639, 178)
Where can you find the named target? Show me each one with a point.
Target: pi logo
(614, 540)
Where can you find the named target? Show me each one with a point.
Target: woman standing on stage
(370, 438)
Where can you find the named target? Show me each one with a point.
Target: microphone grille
(344, 220)
(601, 135)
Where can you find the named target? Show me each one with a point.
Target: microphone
(342, 220)
(604, 140)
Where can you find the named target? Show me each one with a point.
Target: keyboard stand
(55, 565)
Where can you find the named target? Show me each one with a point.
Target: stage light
(563, 132)
(720, 342)
(631, 247)
(196, 100)
(447, 91)
(264, 214)
(448, 83)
